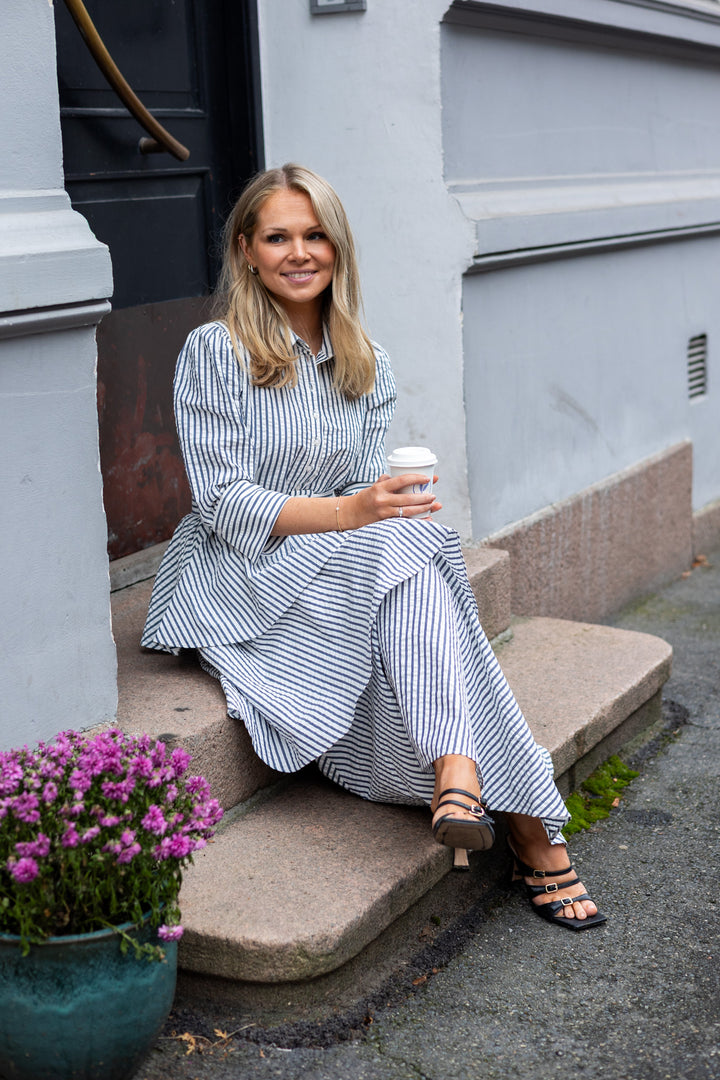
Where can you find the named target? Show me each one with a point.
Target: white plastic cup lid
(412, 456)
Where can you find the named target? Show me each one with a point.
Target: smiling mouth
(300, 275)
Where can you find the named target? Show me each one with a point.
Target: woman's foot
(531, 846)
(455, 771)
(459, 821)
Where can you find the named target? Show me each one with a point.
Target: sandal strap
(558, 905)
(458, 791)
(530, 871)
(553, 887)
(476, 810)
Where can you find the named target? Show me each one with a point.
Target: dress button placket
(315, 405)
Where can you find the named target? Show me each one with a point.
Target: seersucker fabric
(360, 650)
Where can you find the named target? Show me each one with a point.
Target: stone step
(171, 697)
(586, 690)
(296, 885)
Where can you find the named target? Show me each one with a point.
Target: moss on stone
(598, 794)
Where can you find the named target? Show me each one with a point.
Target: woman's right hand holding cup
(386, 498)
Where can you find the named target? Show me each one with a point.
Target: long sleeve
(217, 447)
(371, 461)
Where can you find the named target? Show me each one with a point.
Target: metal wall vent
(697, 366)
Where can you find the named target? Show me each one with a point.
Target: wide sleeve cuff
(245, 515)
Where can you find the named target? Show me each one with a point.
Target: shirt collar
(326, 349)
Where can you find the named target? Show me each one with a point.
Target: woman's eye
(275, 238)
(317, 236)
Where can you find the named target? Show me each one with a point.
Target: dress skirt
(380, 666)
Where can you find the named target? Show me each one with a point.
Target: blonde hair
(257, 320)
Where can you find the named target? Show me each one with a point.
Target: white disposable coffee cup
(414, 459)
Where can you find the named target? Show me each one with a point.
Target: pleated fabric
(359, 650)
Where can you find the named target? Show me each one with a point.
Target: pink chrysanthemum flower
(154, 821)
(170, 933)
(25, 807)
(34, 849)
(70, 837)
(129, 853)
(50, 791)
(24, 870)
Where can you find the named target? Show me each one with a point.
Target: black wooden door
(193, 64)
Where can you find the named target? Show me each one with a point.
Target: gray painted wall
(468, 141)
(530, 107)
(57, 656)
(576, 367)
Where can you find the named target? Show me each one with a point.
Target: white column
(57, 656)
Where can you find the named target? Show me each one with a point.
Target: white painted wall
(57, 656)
(57, 659)
(32, 151)
(356, 97)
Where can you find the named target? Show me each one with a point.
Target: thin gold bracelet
(337, 518)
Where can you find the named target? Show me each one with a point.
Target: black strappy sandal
(549, 911)
(461, 833)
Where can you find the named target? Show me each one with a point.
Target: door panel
(154, 45)
(163, 253)
(136, 202)
(193, 64)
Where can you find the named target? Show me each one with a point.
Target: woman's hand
(383, 500)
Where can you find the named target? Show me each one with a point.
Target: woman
(342, 631)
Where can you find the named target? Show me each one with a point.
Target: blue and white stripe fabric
(360, 650)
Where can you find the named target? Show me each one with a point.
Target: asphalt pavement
(493, 991)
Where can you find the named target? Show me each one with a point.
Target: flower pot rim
(68, 939)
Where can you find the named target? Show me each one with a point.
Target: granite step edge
(314, 874)
(577, 682)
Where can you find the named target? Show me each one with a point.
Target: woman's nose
(299, 251)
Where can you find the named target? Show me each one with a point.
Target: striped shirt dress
(359, 650)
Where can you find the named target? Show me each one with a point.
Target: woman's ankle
(455, 771)
(533, 846)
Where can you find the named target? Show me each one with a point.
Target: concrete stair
(301, 875)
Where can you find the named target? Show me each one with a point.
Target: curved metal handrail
(161, 139)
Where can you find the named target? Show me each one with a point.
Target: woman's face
(293, 256)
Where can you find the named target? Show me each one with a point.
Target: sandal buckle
(566, 901)
(554, 887)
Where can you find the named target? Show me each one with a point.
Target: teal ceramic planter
(76, 1008)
